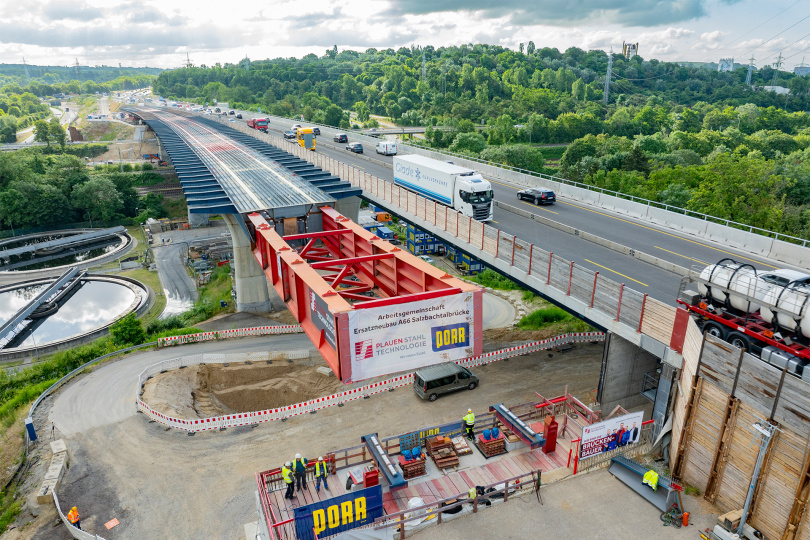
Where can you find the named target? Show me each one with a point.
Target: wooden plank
(514, 466)
(500, 474)
(741, 458)
(440, 489)
(706, 426)
(793, 409)
(461, 483)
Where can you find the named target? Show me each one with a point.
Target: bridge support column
(196, 221)
(349, 207)
(623, 367)
(249, 279)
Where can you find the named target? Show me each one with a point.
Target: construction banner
(338, 514)
(402, 337)
(610, 434)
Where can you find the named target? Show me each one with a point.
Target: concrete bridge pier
(623, 367)
(249, 279)
(349, 207)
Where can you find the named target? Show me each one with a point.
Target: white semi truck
(457, 187)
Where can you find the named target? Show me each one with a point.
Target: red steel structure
(344, 268)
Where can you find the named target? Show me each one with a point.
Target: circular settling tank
(98, 302)
(54, 257)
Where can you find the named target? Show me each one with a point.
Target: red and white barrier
(230, 334)
(338, 398)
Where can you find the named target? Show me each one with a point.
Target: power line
(763, 24)
(788, 46)
(777, 35)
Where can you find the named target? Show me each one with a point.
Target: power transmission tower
(750, 70)
(424, 68)
(776, 66)
(188, 63)
(608, 75)
(247, 63)
(25, 66)
(78, 69)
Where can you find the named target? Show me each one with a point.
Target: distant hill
(16, 73)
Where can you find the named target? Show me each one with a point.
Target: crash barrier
(229, 334)
(314, 405)
(75, 532)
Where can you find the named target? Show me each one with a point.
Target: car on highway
(355, 147)
(231, 113)
(537, 195)
(340, 137)
(239, 116)
(316, 131)
(289, 135)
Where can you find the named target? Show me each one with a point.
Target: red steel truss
(345, 268)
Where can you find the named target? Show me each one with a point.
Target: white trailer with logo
(457, 187)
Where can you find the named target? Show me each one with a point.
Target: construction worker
(300, 470)
(469, 423)
(286, 473)
(321, 472)
(73, 518)
(651, 479)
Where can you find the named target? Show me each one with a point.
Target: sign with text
(339, 514)
(322, 318)
(610, 434)
(401, 337)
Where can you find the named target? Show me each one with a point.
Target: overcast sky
(161, 33)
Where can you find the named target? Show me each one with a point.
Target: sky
(164, 33)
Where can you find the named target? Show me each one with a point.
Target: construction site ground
(162, 483)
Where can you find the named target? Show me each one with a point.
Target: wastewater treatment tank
(82, 310)
(61, 248)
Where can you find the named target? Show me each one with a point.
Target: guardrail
(75, 532)
(316, 404)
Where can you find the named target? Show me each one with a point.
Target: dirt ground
(161, 483)
(212, 389)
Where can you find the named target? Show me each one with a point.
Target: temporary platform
(436, 487)
(632, 473)
(370, 307)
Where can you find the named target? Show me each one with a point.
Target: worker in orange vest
(73, 518)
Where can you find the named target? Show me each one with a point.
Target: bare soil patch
(212, 389)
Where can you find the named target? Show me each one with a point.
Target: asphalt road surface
(179, 288)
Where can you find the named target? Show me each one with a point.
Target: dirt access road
(161, 483)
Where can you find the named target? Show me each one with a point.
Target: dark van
(432, 381)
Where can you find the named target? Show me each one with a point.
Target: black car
(316, 131)
(356, 147)
(537, 195)
(289, 135)
(239, 116)
(231, 113)
(341, 137)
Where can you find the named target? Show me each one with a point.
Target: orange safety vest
(73, 517)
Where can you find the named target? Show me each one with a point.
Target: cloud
(69, 11)
(517, 12)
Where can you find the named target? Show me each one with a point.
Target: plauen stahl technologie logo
(363, 350)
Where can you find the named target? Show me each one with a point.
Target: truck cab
(474, 196)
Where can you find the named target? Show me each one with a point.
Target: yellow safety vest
(287, 474)
(469, 419)
(320, 466)
(651, 479)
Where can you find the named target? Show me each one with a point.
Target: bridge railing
(598, 298)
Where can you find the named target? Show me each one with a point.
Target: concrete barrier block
(58, 446)
(628, 207)
(677, 221)
(737, 238)
(45, 491)
(579, 194)
(790, 253)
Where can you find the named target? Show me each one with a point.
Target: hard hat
(288, 464)
(73, 509)
(320, 458)
(297, 456)
(469, 410)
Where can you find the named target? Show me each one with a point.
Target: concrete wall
(623, 367)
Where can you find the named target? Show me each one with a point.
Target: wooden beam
(721, 451)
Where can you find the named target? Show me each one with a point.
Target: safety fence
(229, 334)
(75, 532)
(313, 405)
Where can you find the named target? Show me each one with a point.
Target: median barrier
(790, 253)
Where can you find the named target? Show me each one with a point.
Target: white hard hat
(320, 458)
(288, 464)
(297, 456)
(469, 410)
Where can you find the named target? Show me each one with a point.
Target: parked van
(432, 381)
(387, 148)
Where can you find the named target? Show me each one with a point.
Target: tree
(333, 115)
(468, 143)
(57, 132)
(42, 132)
(98, 198)
(637, 161)
(530, 48)
(362, 110)
(578, 90)
(128, 331)
(521, 156)
(8, 129)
